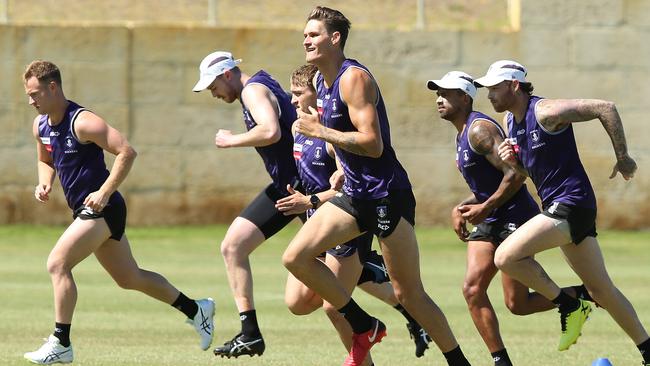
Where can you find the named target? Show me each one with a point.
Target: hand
(626, 166)
(459, 224)
(507, 153)
(337, 179)
(308, 124)
(223, 138)
(294, 204)
(42, 192)
(474, 213)
(97, 200)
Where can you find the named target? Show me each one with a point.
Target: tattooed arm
(555, 115)
(485, 139)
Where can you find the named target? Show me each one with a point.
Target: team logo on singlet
(465, 155)
(334, 104)
(382, 211)
(68, 141)
(318, 153)
(534, 135)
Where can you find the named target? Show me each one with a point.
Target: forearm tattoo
(343, 140)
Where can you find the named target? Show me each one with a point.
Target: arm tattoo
(481, 139)
(345, 141)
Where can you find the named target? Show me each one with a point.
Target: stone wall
(139, 78)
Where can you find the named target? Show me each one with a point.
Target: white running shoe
(203, 322)
(50, 352)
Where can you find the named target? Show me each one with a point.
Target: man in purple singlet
(541, 145)
(70, 142)
(376, 195)
(499, 204)
(268, 115)
(352, 263)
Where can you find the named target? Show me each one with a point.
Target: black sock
(455, 357)
(501, 358)
(359, 320)
(186, 305)
(405, 313)
(582, 293)
(644, 348)
(566, 302)
(62, 332)
(249, 325)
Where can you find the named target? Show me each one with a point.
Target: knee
(407, 295)
(228, 249)
(471, 291)
(57, 266)
(127, 282)
(292, 259)
(303, 305)
(502, 259)
(515, 307)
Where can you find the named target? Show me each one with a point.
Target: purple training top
(365, 177)
(314, 165)
(552, 161)
(79, 165)
(277, 157)
(484, 179)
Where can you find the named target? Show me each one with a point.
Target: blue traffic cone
(602, 362)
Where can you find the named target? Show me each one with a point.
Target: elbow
(130, 153)
(377, 150)
(273, 137)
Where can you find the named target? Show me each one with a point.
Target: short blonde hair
(44, 71)
(304, 76)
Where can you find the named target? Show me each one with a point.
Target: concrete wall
(139, 78)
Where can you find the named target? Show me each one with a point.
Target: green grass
(117, 327)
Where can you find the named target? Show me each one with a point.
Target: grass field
(117, 327)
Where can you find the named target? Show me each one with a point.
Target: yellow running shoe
(572, 324)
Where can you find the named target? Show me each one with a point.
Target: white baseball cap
(454, 80)
(501, 71)
(212, 66)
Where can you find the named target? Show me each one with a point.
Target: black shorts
(262, 212)
(114, 214)
(582, 220)
(494, 232)
(379, 216)
(361, 244)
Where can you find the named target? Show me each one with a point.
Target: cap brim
(487, 81)
(432, 84)
(203, 83)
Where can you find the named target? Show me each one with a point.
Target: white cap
(454, 80)
(212, 66)
(501, 71)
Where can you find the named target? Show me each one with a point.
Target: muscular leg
(382, 291)
(400, 251)
(347, 270)
(328, 227)
(480, 272)
(241, 239)
(116, 257)
(587, 261)
(300, 299)
(79, 240)
(515, 255)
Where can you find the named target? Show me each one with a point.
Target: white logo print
(465, 155)
(521, 132)
(68, 141)
(318, 152)
(334, 104)
(553, 207)
(382, 211)
(374, 334)
(534, 135)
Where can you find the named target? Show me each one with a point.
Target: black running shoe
(241, 345)
(375, 264)
(420, 337)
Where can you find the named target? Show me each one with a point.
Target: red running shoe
(361, 343)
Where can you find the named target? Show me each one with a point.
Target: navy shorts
(379, 216)
(494, 232)
(114, 214)
(582, 220)
(262, 212)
